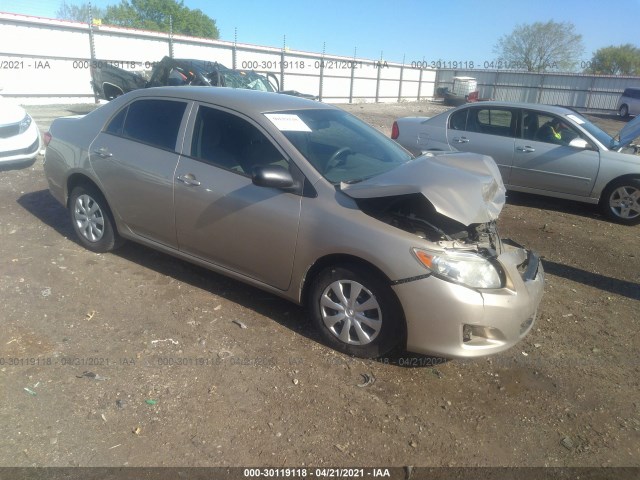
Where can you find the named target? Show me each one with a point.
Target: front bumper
(21, 146)
(453, 321)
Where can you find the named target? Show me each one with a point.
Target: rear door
(221, 216)
(135, 158)
(486, 130)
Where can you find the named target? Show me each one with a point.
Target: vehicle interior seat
(530, 126)
(261, 152)
(207, 145)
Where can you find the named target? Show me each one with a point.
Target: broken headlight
(467, 268)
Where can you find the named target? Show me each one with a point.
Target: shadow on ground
(42, 205)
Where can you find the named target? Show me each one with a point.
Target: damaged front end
(458, 253)
(452, 202)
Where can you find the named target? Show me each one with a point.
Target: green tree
(155, 14)
(539, 47)
(612, 60)
(78, 13)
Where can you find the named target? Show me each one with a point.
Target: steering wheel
(334, 160)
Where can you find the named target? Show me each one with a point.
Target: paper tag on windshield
(286, 122)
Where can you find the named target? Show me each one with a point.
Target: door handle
(189, 179)
(103, 152)
(461, 140)
(526, 149)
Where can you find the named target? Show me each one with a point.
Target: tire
(92, 220)
(624, 111)
(620, 201)
(372, 332)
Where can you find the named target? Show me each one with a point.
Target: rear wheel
(624, 111)
(621, 201)
(92, 220)
(356, 312)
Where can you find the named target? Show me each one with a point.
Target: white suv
(629, 103)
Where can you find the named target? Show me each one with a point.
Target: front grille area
(10, 130)
(23, 151)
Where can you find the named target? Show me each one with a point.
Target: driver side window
(232, 143)
(547, 128)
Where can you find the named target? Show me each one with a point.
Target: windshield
(600, 135)
(340, 146)
(249, 80)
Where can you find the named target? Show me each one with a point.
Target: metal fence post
(170, 36)
(420, 83)
(234, 49)
(321, 71)
(284, 46)
(495, 85)
(593, 81)
(378, 65)
(540, 88)
(401, 75)
(92, 49)
(353, 71)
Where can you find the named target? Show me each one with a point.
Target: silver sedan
(539, 149)
(305, 201)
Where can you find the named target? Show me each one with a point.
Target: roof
(251, 102)
(557, 109)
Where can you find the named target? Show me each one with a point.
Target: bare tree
(539, 47)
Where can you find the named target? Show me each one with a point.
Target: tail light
(395, 131)
(47, 138)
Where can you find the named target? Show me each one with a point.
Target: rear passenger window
(117, 123)
(492, 121)
(154, 122)
(458, 120)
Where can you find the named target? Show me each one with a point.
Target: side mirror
(274, 176)
(579, 143)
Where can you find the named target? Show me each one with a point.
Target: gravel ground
(137, 359)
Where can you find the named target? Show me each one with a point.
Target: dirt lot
(134, 359)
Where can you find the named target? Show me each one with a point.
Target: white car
(20, 140)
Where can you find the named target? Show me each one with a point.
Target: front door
(221, 216)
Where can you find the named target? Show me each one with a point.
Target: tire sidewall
(109, 239)
(624, 111)
(605, 200)
(392, 333)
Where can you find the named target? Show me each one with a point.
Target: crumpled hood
(463, 186)
(629, 132)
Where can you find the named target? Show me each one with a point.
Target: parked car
(542, 149)
(303, 200)
(20, 140)
(629, 102)
(110, 81)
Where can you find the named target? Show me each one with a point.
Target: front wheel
(624, 111)
(92, 220)
(621, 201)
(356, 312)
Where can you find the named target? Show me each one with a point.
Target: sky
(396, 30)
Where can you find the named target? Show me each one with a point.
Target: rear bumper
(453, 321)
